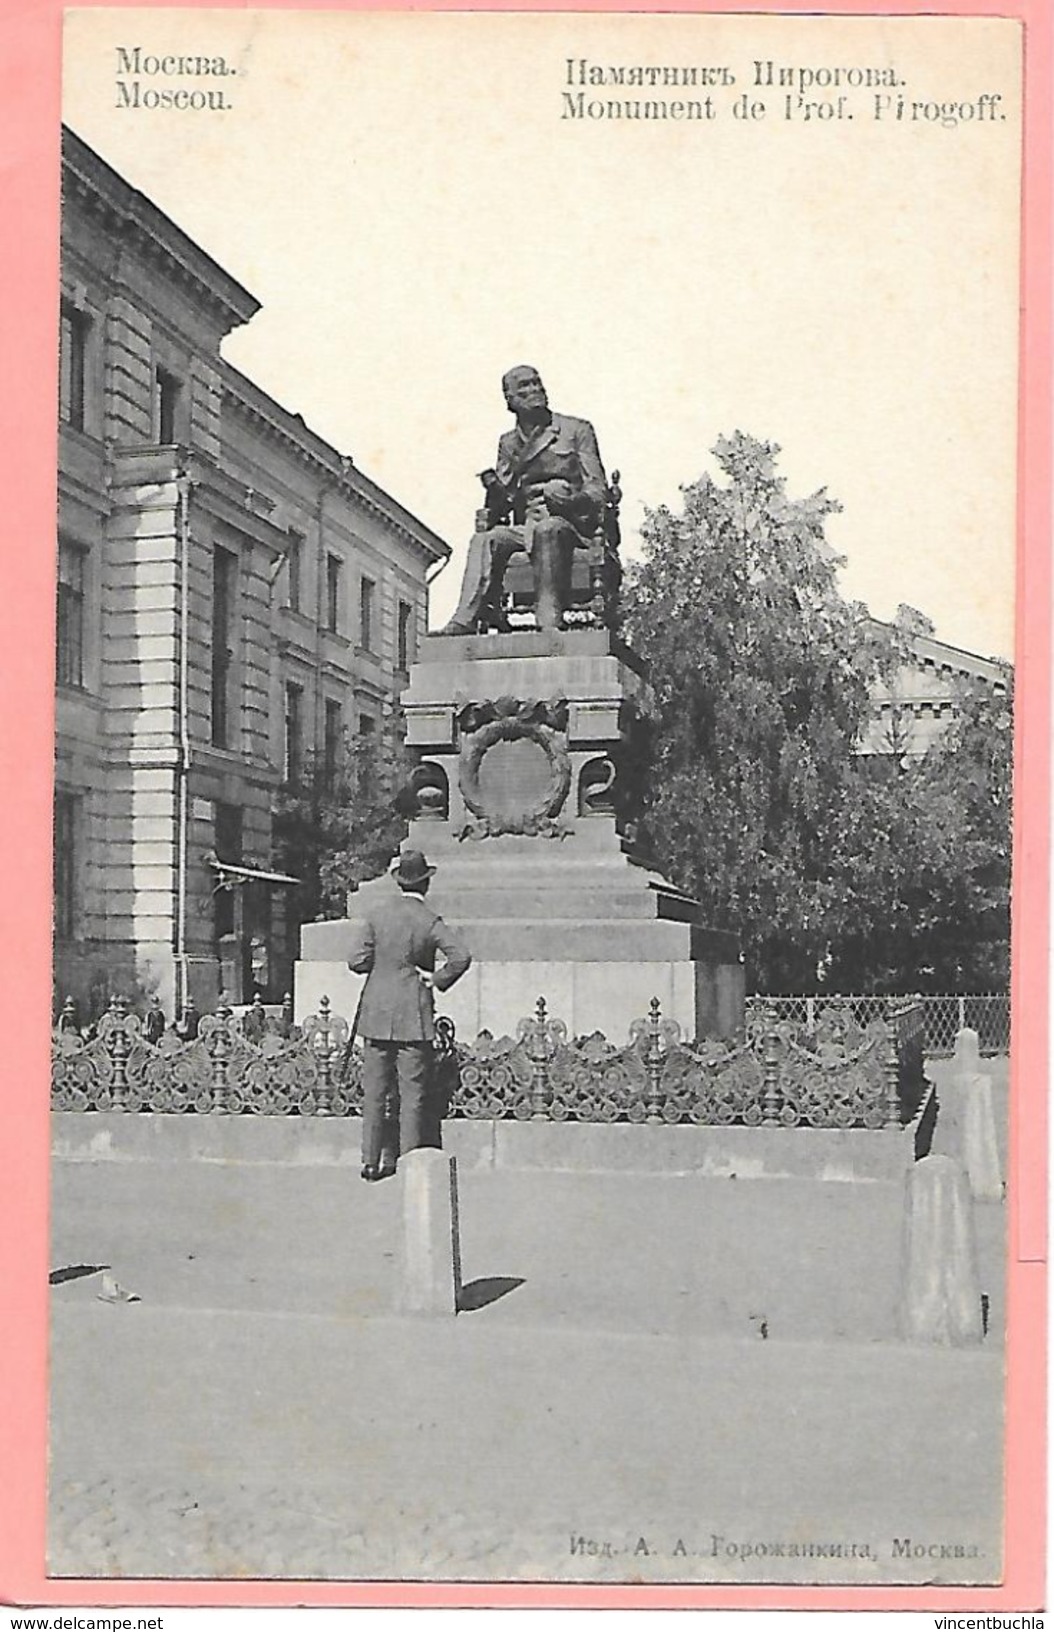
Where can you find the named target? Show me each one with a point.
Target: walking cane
(353, 1031)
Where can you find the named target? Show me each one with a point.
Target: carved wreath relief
(514, 771)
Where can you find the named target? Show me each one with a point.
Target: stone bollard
(431, 1247)
(940, 1292)
(977, 1141)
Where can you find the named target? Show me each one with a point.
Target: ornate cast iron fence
(839, 1073)
(944, 1015)
(307, 1070)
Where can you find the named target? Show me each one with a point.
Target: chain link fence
(944, 1014)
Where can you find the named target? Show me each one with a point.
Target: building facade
(917, 702)
(233, 596)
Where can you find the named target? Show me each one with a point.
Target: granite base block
(495, 995)
(430, 1261)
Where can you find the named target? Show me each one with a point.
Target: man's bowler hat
(412, 869)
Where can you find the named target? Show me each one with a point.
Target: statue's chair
(596, 574)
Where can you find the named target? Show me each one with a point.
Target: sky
(417, 210)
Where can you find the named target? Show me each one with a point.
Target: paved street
(263, 1410)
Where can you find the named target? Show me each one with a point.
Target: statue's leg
(488, 556)
(504, 543)
(551, 557)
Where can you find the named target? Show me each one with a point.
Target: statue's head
(524, 391)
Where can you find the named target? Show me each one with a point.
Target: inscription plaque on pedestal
(513, 777)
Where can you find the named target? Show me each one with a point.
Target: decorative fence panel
(282, 1070)
(838, 1072)
(944, 1015)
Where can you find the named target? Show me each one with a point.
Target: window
(167, 392)
(294, 715)
(334, 573)
(332, 744)
(73, 351)
(65, 867)
(227, 820)
(227, 835)
(404, 636)
(224, 566)
(366, 614)
(69, 616)
(294, 561)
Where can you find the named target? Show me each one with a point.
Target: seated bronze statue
(547, 496)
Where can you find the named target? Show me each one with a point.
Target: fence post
(537, 1041)
(323, 1047)
(118, 1046)
(219, 1046)
(654, 1057)
(771, 1099)
(810, 1015)
(891, 1072)
(962, 1014)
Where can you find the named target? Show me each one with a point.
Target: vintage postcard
(550, 564)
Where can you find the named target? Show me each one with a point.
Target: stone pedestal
(528, 747)
(941, 1294)
(431, 1248)
(979, 1149)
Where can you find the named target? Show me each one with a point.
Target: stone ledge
(440, 648)
(828, 1155)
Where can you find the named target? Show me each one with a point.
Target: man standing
(395, 947)
(545, 496)
(154, 1023)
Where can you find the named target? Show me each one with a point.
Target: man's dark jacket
(400, 935)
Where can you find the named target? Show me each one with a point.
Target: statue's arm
(594, 480)
(499, 485)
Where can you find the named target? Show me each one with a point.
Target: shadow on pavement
(74, 1272)
(477, 1294)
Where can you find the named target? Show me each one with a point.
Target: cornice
(291, 432)
(138, 223)
(930, 652)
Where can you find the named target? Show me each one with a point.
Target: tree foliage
(926, 860)
(335, 826)
(829, 867)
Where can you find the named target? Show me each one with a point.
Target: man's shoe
(387, 1172)
(371, 1174)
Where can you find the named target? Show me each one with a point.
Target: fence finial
(541, 1037)
(654, 1060)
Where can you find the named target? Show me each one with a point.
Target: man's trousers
(396, 1079)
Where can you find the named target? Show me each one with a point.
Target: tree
(762, 675)
(837, 869)
(927, 860)
(337, 825)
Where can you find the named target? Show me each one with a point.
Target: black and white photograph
(534, 741)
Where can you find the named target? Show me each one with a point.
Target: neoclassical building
(233, 595)
(919, 701)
